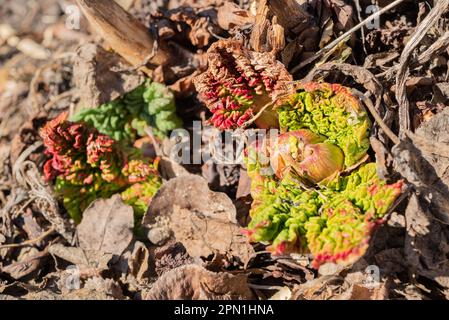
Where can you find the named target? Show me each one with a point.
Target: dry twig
(28, 242)
(125, 34)
(345, 35)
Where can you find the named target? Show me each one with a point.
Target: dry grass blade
(435, 49)
(28, 242)
(317, 55)
(380, 121)
(401, 78)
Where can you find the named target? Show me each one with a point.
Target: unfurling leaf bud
(331, 111)
(238, 83)
(307, 155)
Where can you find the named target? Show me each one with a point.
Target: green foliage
(87, 165)
(303, 199)
(331, 111)
(77, 196)
(333, 222)
(151, 104)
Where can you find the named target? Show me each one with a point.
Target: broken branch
(126, 35)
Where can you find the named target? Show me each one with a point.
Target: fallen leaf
(359, 292)
(199, 26)
(291, 50)
(441, 93)
(322, 288)
(25, 267)
(196, 216)
(426, 243)
(139, 261)
(81, 258)
(107, 226)
(327, 34)
(417, 160)
(344, 13)
(192, 282)
(94, 289)
(244, 186)
(283, 294)
(99, 76)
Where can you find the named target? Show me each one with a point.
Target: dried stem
(432, 51)
(390, 134)
(257, 115)
(125, 34)
(28, 242)
(401, 78)
(345, 35)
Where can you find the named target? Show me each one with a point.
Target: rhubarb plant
(332, 111)
(305, 201)
(151, 104)
(239, 83)
(86, 165)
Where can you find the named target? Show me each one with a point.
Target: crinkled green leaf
(151, 104)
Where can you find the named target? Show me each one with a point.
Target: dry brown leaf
(291, 50)
(202, 220)
(343, 12)
(426, 243)
(423, 159)
(170, 256)
(26, 266)
(192, 282)
(81, 258)
(184, 87)
(436, 131)
(322, 288)
(99, 76)
(359, 292)
(391, 260)
(291, 14)
(94, 289)
(244, 187)
(327, 33)
(199, 27)
(107, 226)
(283, 294)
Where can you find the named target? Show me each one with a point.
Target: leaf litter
(189, 242)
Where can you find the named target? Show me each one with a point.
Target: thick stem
(125, 34)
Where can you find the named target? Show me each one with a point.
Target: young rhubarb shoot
(86, 165)
(239, 83)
